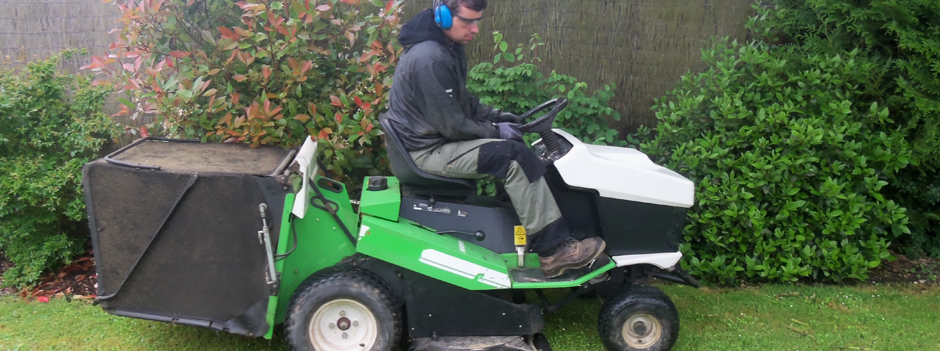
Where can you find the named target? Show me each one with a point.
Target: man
(448, 132)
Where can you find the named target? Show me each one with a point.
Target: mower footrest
(534, 274)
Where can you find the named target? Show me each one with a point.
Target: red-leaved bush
(265, 72)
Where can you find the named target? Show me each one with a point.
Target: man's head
(467, 15)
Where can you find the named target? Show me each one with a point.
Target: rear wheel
(343, 311)
(541, 342)
(640, 318)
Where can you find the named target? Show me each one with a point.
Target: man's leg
(522, 175)
(527, 189)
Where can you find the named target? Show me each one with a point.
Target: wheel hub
(640, 328)
(343, 325)
(642, 331)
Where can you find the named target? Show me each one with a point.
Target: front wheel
(640, 318)
(343, 311)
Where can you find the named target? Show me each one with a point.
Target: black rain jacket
(429, 99)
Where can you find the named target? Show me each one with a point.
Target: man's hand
(509, 131)
(509, 117)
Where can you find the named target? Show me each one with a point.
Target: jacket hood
(421, 28)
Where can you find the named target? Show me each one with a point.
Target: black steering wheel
(543, 125)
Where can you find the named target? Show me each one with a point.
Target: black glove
(509, 131)
(509, 117)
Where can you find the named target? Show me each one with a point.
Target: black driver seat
(413, 179)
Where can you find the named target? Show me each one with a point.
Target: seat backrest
(407, 171)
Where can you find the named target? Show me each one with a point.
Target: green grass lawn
(771, 317)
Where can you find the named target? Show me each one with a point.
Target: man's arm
(442, 111)
(483, 112)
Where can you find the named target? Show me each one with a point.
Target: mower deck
(472, 343)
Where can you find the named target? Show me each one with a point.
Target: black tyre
(640, 318)
(541, 342)
(342, 310)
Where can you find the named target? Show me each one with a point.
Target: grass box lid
(195, 157)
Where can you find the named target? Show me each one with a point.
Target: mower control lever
(264, 235)
(479, 235)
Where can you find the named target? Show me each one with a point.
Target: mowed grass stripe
(769, 317)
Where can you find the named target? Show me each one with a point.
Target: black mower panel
(179, 243)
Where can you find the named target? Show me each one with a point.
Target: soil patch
(905, 270)
(4, 265)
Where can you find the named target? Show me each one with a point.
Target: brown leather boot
(572, 254)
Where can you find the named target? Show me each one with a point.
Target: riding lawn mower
(241, 239)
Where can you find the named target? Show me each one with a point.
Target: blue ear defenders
(442, 16)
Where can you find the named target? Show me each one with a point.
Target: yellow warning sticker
(520, 235)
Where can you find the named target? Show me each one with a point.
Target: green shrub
(903, 37)
(50, 126)
(517, 86)
(262, 72)
(789, 160)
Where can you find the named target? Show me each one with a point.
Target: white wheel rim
(642, 331)
(343, 325)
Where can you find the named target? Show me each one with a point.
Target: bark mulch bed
(77, 280)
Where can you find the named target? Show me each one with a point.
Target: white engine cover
(623, 173)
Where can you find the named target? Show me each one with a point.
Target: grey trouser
(517, 168)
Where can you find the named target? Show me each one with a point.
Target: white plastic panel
(306, 159)
(623, 173)
(661, 260)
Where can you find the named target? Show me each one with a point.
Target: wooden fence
(641, 45)
(31, 29)
(35, 29)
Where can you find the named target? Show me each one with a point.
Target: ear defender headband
(442, 15)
